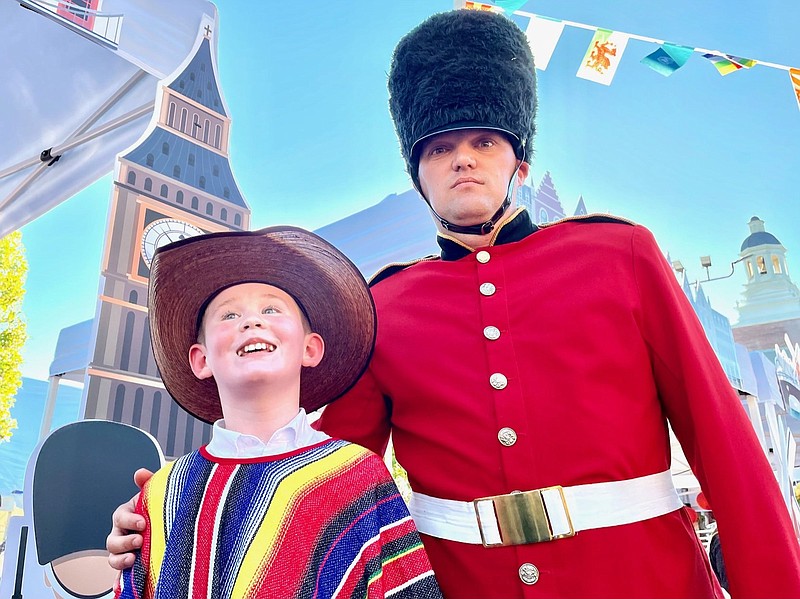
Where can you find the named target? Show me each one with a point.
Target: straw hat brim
(329, 288)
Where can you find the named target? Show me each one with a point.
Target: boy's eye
(270, 310)
(229, 315)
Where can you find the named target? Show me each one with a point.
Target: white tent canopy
(80, 92)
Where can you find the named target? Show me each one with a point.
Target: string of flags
(602, 57)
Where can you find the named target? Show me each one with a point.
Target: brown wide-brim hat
(328, 287)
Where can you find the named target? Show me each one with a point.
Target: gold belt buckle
(522, 518)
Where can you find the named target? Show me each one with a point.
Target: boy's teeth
(253, 347)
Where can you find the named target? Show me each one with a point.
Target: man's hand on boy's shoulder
(124, 538)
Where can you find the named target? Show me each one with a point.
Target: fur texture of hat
(463, 68)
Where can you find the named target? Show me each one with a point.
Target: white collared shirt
(294, 435)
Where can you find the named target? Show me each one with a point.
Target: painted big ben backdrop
(174, 183)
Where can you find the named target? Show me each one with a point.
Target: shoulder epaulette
(591, 218)
(395, 267)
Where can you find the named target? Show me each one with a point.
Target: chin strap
(481, 228)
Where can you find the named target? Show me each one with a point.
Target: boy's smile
(254, 339)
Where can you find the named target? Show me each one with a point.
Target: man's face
(464, 174)
(254, 335)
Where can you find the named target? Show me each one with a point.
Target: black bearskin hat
(462, 69)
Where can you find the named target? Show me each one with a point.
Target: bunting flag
(509, 6)
(668, 58)
(543, 35)
(794, 75)
(723, 65)
(480, 6)
(606, 48)
(602, 58)
(742, 62)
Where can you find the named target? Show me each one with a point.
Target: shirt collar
(294, 435)
(516, 228)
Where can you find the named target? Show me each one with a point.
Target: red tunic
(600, 347)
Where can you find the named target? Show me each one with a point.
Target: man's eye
(487, 143)
(436, 150)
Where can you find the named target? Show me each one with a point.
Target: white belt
(545, 514)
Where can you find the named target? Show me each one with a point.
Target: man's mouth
(252, 348)
(465, 180)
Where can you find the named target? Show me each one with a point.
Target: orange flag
(794, 74)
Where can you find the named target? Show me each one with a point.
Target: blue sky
(692, 156)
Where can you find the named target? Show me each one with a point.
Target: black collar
(516, 229)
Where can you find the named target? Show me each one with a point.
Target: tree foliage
(13, 269)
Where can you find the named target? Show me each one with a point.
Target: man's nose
(463, 157)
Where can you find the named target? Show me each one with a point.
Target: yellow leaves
(13, 270)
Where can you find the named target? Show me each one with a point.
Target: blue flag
(668, 58)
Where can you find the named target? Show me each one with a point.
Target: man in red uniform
(527, 374)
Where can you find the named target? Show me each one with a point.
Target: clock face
(164, 231)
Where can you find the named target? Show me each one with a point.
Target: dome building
(770, 304)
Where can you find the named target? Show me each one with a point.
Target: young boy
(270, 507)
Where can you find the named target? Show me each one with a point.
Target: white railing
(103, 25)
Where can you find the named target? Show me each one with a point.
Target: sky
(692, 156)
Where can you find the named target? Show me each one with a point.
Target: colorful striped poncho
(322, 521)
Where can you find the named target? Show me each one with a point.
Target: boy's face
(253, 334)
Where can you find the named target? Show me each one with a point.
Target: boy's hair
(331, 292)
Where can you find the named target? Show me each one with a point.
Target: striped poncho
(322, 521)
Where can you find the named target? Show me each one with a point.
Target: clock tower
(174, 183)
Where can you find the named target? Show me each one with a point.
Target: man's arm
(361, 416)
(124, 538)
(716, 435)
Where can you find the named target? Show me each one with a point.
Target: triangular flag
(742, 62)
(794, 75)
(723, 65)
(480, 6)
(509, 5)
(668, 58)
(543, 35)
(602, 58)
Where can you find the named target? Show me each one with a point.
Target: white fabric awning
(82, 92)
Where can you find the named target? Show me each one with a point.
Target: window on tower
(150, 159)
(195, 203)
(165, 148)
(223, 214)
(131, 178)
(202, 182)
(171, 114)
(749, 269)
(179, 197)
(776, 265)
(176, 171)
(164, 191)
(762, 265)
(237, 220)
(191, 159)
(148, 184)
(210, 209)
(215, 170)
(217, 136)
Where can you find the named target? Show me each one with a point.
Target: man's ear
(315, 349)
(522, 173)
(198, 362)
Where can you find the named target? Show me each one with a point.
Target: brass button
(488, 289)
(528, 573)
(507, 436)
(491, 333)
(483, 256)
(498, 380)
